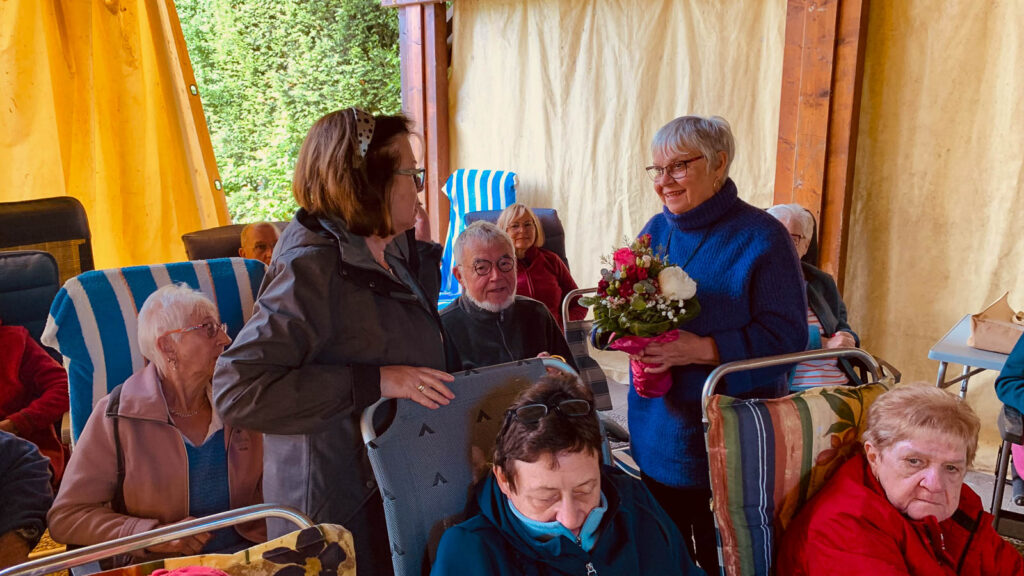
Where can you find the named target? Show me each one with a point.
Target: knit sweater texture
(751, 292)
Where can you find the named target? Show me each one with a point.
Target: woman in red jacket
(33, 394)
(540, 273)
(902, 506)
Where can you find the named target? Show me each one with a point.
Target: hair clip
(364, 129)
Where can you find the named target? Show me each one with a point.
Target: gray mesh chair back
(425, 460)
(55, 225)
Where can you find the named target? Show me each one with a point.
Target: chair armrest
(1011, 425)
(613, 429)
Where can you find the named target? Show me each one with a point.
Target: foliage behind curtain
(95, 107)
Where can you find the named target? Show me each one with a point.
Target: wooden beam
(823, 66)
(422, 37)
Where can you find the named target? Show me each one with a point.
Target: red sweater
(541, 275)
(850, 527)
(33, 392)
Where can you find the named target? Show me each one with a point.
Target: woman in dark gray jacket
(340, 322)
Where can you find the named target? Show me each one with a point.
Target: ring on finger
(420, 387)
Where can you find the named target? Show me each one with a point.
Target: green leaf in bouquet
(646, 330)
(607, 275)
(589, 301)
(638, 303)
(644, 287)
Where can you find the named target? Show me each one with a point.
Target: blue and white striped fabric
(470, 191)
(93, 319)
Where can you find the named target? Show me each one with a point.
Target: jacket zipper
(590, 565)
(504, 342)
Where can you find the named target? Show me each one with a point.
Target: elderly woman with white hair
(901, 505)
(752, 304)
(154, 452)
(826, 311)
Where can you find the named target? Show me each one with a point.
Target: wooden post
(823, 65)
(423, 34)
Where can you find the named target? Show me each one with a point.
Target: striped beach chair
(470, 191)
(93, 319)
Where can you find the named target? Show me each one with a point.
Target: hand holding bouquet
(641, 299)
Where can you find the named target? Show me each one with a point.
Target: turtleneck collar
(707, 213)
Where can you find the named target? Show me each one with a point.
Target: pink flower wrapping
(647, 385)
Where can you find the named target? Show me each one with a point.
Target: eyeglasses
(797, 238)
(210, 327)
(676, 170)
(417, 176)
(483, 267)
(571, 408)
(527, 225)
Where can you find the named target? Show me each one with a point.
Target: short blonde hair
(516, 211)
(169, 308)
(905, 410)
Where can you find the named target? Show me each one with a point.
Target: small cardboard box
(996, 328)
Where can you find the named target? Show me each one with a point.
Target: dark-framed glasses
(676, 170)
(483, 267)
(417, 176)
(210, 328)
(571, 408)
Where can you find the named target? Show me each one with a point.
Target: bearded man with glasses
(550, 507)
(488, 323)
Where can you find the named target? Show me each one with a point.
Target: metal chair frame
(68, 560)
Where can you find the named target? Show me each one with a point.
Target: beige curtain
(938, 214)
(95, 106)
(568, 94)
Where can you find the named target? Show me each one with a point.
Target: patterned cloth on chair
(470, 191)
(323, 550)
(768, 457)
(93, 319)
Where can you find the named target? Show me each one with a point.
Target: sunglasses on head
(572, 408)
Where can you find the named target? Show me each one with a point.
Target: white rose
(676, 284)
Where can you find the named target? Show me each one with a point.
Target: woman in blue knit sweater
(752, 300)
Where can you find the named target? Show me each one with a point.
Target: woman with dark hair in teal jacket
(551, 508)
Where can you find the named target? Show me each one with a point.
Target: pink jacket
(156, 470)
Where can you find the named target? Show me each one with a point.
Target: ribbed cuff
(365, 385)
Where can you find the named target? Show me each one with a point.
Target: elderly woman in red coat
(33, 394)
(540, 273)
(901, 507)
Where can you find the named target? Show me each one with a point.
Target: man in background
(258, 241)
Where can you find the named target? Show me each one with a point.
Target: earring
(173, 363)
(717, 184)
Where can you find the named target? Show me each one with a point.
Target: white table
(953, 348)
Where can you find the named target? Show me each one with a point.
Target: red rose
(624, 257)
(626, 289)
(641, 273)
(602, 287)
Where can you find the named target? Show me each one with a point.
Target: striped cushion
(92, 321)
(768, 457)
(577, 334)
(470, 191)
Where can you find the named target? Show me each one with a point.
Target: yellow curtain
(96, 105)
(938, 214)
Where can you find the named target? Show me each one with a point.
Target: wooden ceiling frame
(822, 70)
(823, 66)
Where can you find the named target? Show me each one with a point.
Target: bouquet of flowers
(641, 299)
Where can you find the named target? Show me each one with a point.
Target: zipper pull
(591, 569)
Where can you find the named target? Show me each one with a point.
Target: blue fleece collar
(545, 531)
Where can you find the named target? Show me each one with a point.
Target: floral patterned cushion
(768, 457)
(323, 550)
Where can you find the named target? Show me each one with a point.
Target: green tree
(267, 70)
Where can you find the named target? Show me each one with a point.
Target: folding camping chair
(752, 442)
(55, 225)
(426, 461)
(331, 545)
(1011, 429)
(469, 191)
(29, 280)
(93, 320)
